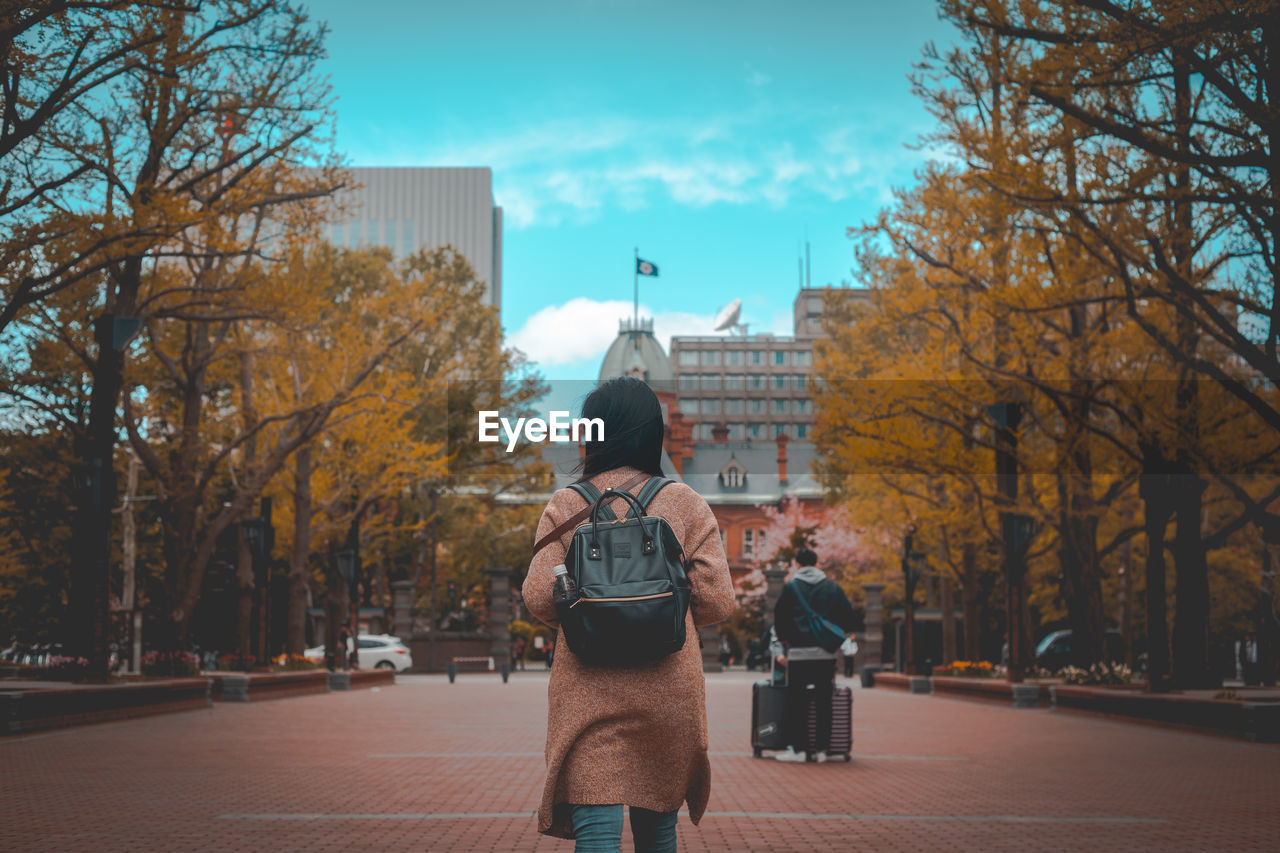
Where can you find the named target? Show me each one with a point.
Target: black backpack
(632, 582)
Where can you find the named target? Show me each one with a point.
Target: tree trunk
(244, 596)
(245, 578)
(948, 605)
(972, 594)
(1153, 489)
(300, 561)
(89, 629)
(1191, 667)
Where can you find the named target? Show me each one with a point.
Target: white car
(377, 651)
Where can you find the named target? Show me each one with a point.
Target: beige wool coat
(633, 735)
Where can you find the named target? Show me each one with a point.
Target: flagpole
(635, 278)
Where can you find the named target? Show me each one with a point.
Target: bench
(505, 669)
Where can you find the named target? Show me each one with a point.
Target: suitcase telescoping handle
(593, 549)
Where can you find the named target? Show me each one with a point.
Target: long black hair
(633, 429)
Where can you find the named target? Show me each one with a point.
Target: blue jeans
(598, 829)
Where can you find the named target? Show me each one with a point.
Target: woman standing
(633, 736)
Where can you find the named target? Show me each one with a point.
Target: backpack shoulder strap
(591, 494)
(648, 492)
(801, 597)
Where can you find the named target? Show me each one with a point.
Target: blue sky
(712, 135)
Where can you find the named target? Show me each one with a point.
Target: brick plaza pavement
(426, 765)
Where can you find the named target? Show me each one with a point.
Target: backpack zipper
(624, 598)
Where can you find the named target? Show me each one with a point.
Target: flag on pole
(648, 268)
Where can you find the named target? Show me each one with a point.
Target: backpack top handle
(593, 549)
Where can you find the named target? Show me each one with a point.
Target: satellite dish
(727, 318)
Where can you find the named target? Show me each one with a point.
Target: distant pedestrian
(632, 735)
(1249, 668)
(726, 652)
(517, 654)
(848, 652)
(809, 662)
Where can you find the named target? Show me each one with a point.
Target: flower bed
(894, 680)
(38, 709)
(1021, 695)
(174, 664)
(967, 669)
(259, 686)
(1255, 721)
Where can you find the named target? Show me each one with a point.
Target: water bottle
(565, 591)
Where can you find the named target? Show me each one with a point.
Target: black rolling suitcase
(768, 704)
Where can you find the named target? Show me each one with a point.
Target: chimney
(678, 435)
(782, 457)
(720, 433)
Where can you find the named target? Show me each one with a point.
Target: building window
(780, 383)
(688, 405)
(688, 382)
(760, 539)
(800, 381)
(406, 237)
(748, 539)
(733, 357)
(802, 430)
(780, 357)
(779, 429)
(803, 358)
(731, 478)
(756, 405)
(711, 381)
(687, 357)
(723, 542)
(734, 406)
(734, 381)
(757, 357)
(737, 432)
(756, 380)
(755, 431)
(711, 358)
(709, 406)
(802, 406)
(703, 432)
(780, 405)
(337, 234)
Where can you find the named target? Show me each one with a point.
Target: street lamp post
(348, 563)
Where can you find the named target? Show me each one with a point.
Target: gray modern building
(756, 386)
(410, 208)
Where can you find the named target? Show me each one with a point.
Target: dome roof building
(636, 352)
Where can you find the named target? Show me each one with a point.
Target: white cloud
(573, 169)
(545, 337)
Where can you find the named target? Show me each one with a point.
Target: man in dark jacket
(807, 662)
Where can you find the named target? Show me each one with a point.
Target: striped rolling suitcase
(841, 741)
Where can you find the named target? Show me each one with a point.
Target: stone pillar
(774, 577)
(499, 614)
(709, 636)
(873, 643)
(402, 609)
